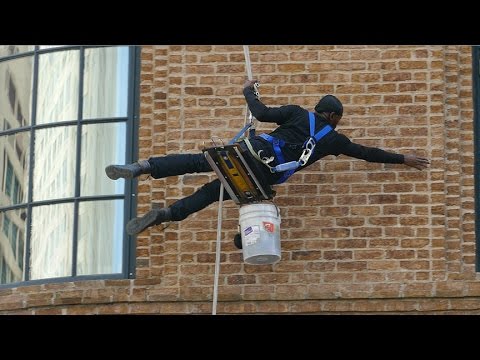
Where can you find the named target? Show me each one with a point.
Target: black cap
(329, 103)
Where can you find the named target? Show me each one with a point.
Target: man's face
(334, 119)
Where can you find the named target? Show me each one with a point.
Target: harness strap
(325, 130)
(254, 154)
(289, 168)
(277, 145)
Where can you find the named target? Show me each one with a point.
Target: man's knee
(212, 189)
(201, 163)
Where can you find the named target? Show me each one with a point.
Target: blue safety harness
(288, 168)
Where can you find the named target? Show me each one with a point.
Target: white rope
(248, 66)
(220, 203)
(217, 254)
(247, 62)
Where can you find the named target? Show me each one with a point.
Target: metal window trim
(64, 200)
(133, 111)
(64, 279)
(28, 235)
(17, 56)
(63, 124)
(78, 161)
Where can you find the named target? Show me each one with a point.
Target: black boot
(128, 171)
(153, 217)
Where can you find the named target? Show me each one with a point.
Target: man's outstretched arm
(377, 155)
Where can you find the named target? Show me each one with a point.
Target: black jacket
(294, 129)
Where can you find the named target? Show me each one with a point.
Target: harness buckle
(265, 159)
(307, 151)
(310, 143)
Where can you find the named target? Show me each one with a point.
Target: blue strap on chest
(321, 133)
(289, 168)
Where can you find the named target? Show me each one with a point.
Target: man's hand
(415, 161)
(249, 84)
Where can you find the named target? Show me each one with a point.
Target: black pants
(180, 164)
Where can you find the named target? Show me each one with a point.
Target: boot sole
(137, 225)
(114, 172)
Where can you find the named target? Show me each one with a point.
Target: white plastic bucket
(260, 232)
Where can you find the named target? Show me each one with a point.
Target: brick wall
(357, 237)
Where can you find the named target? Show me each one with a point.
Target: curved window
(66, 112)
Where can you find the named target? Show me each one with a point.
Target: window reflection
(100, 233)
(15, 93)
(55, 158)
(100, 239)
(14, 163)
(42, 47)
(105, 82)
(51, 242)
(58, 86)
(12, 245)
(7, 50)
(102, 144)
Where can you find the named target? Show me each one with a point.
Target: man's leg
(206, 195)
(160, 167)
(128, 171)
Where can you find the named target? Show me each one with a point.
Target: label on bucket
(269, 226)
(251, 234)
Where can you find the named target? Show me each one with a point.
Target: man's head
(331, 108)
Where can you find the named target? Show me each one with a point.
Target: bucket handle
(278, 210)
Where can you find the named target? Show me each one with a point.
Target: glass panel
(12, 245)
(55, 157)
(51, 241)
(6, 50)
(15, 93)
(102, 145)
(100, 237)
(58, 86)
(14, 168)
(105, 82)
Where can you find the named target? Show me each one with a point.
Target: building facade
(356, 237)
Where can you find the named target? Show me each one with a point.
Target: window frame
(131, 146)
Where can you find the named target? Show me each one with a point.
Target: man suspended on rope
(301, 139)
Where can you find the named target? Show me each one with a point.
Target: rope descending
(251, 126)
